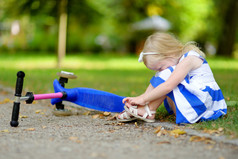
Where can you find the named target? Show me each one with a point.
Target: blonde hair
(167, 46)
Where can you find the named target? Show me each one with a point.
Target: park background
(99, 40)
(112, 26)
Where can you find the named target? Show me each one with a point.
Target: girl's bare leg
(156, 103)
(172, 105)
(152, 106)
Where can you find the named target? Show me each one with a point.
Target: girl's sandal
(125, 117)
(134, 112)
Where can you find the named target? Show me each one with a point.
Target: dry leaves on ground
(6, 100)
(219, 131)
(112, 117)
(30, 129)
(23, 116)
(206, 140)
(74, 139)
(163, 142)
(136, 125)
(160, 131)
(39, 111)
(100, 116)
(86, 113)
(4, 131)
(103, 115)
(4, 92)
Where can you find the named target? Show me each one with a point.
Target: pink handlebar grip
(48, 96)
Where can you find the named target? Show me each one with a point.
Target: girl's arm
(148, 89)
(180, 72)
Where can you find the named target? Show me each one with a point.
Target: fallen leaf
(117, 127)
(5, 131)
(74, 139)
(209, 141)
(86, 113)
(3, 93)
(120, 124)
(95, 116)
(164, 142)
(195, 139)
(157, 129)
(177, 132)
(38, 111)
(106, 113)
(30, 129)
(162, 132)
(219, 131)
(101, 116)
(6, 100)
(210, 131)
(111, 131)
(136, 125)
(201, 139)
(112, 117)
(23, 116)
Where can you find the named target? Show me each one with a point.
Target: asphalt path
(90, 134)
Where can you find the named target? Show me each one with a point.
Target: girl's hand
(126, 100)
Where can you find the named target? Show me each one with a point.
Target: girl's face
(161, 65)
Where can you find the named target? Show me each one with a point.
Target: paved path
(43, 135)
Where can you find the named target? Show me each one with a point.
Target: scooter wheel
(62, 112)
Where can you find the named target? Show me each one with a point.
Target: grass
(118, 74)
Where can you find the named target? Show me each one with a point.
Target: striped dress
(198, 97)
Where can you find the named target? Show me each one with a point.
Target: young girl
(184, 82)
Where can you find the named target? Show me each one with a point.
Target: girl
(184, 81)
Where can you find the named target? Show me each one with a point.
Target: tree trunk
(62, 31)
(228, 34)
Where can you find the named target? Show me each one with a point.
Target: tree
(198, 20)
(62, 31)
(228, 33)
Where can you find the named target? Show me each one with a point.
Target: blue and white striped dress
(198, 97)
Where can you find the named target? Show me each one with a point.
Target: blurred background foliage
(95, 26)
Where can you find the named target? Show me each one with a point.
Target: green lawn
(119, 74)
